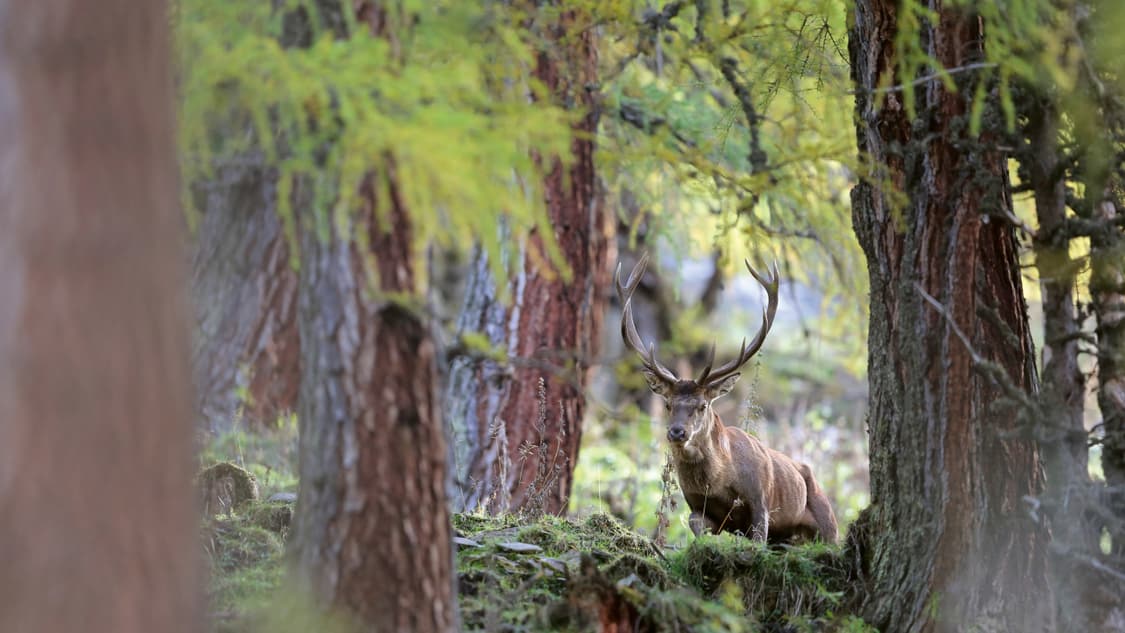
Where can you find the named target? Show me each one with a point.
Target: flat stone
(519, 548)
(283, 497)
(465, 542)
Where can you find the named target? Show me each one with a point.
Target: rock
(225, 487)
(519, 548)
(283, 497)
(465, 542)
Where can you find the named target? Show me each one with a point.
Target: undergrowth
(564, 574)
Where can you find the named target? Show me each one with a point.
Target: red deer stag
(731, 481)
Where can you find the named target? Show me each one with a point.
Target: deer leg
(700, 524)
(823, 519)
(760, 525)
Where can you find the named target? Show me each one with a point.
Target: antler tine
(707, 368)
(629, 328)
(626, 292)
(770, 282)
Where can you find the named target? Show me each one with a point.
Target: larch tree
(246, 352)
(391, 125)
(517, 421)
(946, 543)
(372, 535)
(96, 504)
(246, 348)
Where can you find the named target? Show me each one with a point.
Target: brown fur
(731, 481)
(734, 483)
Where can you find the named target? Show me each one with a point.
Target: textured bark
(372, 537)
(246, 350)
(524, 437)
(246, 353)
(475, 392)
(945, 544)
(96, 504)
(372, 533)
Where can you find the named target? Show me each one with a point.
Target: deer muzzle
(677, 433)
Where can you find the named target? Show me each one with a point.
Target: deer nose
(676, 434)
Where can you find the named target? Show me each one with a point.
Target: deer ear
(656, 383)
(724, 386)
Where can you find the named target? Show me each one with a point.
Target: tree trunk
(372, 533)
(1107, 289)
(246, 344)
(945, 544)
(1062, 430)
(246, 348)
(96, 506)
(372, 537)
(517, 426)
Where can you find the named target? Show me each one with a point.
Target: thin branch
(641, 120)
(758, 159)
(921, 80)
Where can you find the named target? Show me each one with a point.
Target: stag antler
(769, 282)
(629, 328)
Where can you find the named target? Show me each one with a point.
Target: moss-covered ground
(566, 574)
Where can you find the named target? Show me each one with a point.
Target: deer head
(689, 402)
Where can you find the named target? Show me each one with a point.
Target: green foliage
(445, 104)
(1028, 42)
(734, 133)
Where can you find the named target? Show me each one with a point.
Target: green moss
(272, 516)
(646, 570)
(583, 570)
(224, 487)
(469, 524)
(723, 583)
(774, 582)
(245, 561)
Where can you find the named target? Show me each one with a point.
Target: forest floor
(561, 574)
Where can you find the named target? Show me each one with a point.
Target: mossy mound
(271, 515)
(568, 574)
(595, 574)
(784, 588)
(245, 560)
(225, 487)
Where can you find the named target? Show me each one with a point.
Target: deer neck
(704, 446)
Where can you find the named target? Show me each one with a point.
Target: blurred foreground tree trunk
(516, 424)
(372, 537)
(96, 506)
(946, 544)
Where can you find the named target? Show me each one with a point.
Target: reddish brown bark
(517, 443)
(945, 544)
(96, 508)
(372, 529)
(559, 319)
